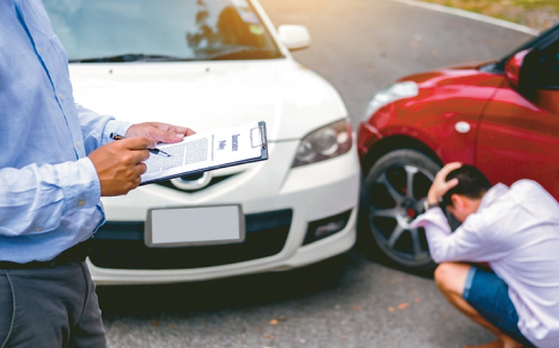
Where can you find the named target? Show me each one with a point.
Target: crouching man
(515, 231)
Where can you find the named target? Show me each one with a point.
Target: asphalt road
(349, 301)
(360, 46)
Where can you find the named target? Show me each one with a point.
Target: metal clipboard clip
(257, 137)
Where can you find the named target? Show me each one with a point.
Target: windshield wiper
(246, 53)
(131, 57)
(243, 52)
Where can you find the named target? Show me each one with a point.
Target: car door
(519, 131)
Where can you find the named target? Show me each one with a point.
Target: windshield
(545, 38)
(158, 30)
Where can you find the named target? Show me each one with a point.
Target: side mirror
(294, 37)
(512, 68)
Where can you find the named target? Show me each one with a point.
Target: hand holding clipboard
(208, 151)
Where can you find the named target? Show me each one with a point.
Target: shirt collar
(493, 195)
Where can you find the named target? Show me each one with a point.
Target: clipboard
(207, 151)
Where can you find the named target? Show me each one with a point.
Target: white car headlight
(324, 143)
(401, 90)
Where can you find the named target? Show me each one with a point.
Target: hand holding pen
(120, 165)
(155, 151)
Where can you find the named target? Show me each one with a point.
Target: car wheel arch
(395, 142)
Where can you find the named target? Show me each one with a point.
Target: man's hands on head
(440, 186)
(119, 164)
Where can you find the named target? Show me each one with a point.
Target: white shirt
(515, 230)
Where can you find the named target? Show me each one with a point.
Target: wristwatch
(427, 205)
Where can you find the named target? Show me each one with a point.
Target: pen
(115, 136)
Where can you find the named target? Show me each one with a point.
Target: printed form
(208, 151)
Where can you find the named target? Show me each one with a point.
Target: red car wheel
(395, 188)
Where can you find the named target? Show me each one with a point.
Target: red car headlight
(400, 90)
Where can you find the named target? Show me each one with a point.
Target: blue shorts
(489, 295)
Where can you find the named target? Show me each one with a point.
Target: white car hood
(207, 95)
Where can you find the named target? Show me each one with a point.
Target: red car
(502, 117)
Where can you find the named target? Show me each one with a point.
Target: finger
(172, 134)
(141, 156)
(160, 132)
(134, 184)
(181, 130)
(166, 136)
(448, 168)
(138, 143)
(135, 175)
(189, 132)
(451, 183)
(140, 169)
(452, 166)
(134, 157)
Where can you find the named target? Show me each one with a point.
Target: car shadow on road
(265, 288)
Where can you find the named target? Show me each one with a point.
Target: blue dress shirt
(49, 189)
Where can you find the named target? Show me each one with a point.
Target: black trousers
(50, 308)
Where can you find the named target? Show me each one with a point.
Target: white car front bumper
(312, 192)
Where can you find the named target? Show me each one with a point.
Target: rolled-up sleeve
(437, 231)
(97, 129)
(472, 241)
(34, 199)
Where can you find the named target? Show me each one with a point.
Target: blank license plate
(206, 225)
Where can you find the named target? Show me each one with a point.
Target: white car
(208, 64)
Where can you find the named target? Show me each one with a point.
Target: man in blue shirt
(57, 160)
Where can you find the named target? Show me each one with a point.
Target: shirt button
(61, 96)
(81, 202)
(39, 49)
(37, 229)
(78, 144)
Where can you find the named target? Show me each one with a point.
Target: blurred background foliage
(536, 14)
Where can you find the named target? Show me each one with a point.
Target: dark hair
(471, 183)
